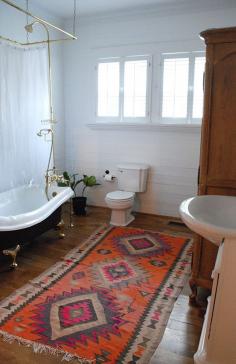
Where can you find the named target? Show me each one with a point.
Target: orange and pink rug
(106, 302)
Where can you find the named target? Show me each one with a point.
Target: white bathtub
(26, 206)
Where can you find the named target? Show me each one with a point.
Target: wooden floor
(182, 333)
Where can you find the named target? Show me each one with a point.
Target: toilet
(131, 178)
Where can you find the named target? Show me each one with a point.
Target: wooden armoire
(217, 172)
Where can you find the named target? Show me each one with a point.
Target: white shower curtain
(23, 104)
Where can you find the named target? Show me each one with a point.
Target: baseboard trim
(165, 217)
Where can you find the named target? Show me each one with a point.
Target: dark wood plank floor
(181, 337)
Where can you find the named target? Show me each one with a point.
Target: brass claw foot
(61, 227)
(13, 254)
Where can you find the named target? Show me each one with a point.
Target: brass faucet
(51, 177)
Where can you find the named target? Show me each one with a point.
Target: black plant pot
(79, 205)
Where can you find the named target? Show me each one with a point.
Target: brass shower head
(29, 28)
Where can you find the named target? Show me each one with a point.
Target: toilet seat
(120, 196)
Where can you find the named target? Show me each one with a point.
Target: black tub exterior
(9, 239)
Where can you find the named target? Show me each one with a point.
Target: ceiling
(64, 8)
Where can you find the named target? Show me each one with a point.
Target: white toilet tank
(132, 177)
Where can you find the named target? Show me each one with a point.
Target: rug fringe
(41, 348)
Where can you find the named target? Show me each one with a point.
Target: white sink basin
(213, 217)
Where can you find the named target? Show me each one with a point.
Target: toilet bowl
(121, 203)
(131, 178)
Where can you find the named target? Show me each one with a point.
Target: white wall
(12, 26)
(172, 155)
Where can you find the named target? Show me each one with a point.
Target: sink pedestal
(218, 339)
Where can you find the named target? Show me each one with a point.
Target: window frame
(190, 94)
(121, 118)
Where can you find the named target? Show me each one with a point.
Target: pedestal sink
(214, 218)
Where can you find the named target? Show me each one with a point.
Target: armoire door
(221, 164)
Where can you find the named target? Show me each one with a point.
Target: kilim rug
(106, 302)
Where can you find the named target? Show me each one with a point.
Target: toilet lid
(120, 195)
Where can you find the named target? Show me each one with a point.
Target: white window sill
(185, 128)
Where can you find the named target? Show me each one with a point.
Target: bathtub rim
(31, 218)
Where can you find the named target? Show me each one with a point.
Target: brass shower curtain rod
(69, 36)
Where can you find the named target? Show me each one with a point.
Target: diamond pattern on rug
(143, 244)
(78, 315)
(118, 273)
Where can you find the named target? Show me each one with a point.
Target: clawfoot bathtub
(25, 213)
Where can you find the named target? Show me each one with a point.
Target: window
(182, 88)
(199, 67)
(135, 88)
(108, 89)
(123, 89)
(175, 87)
